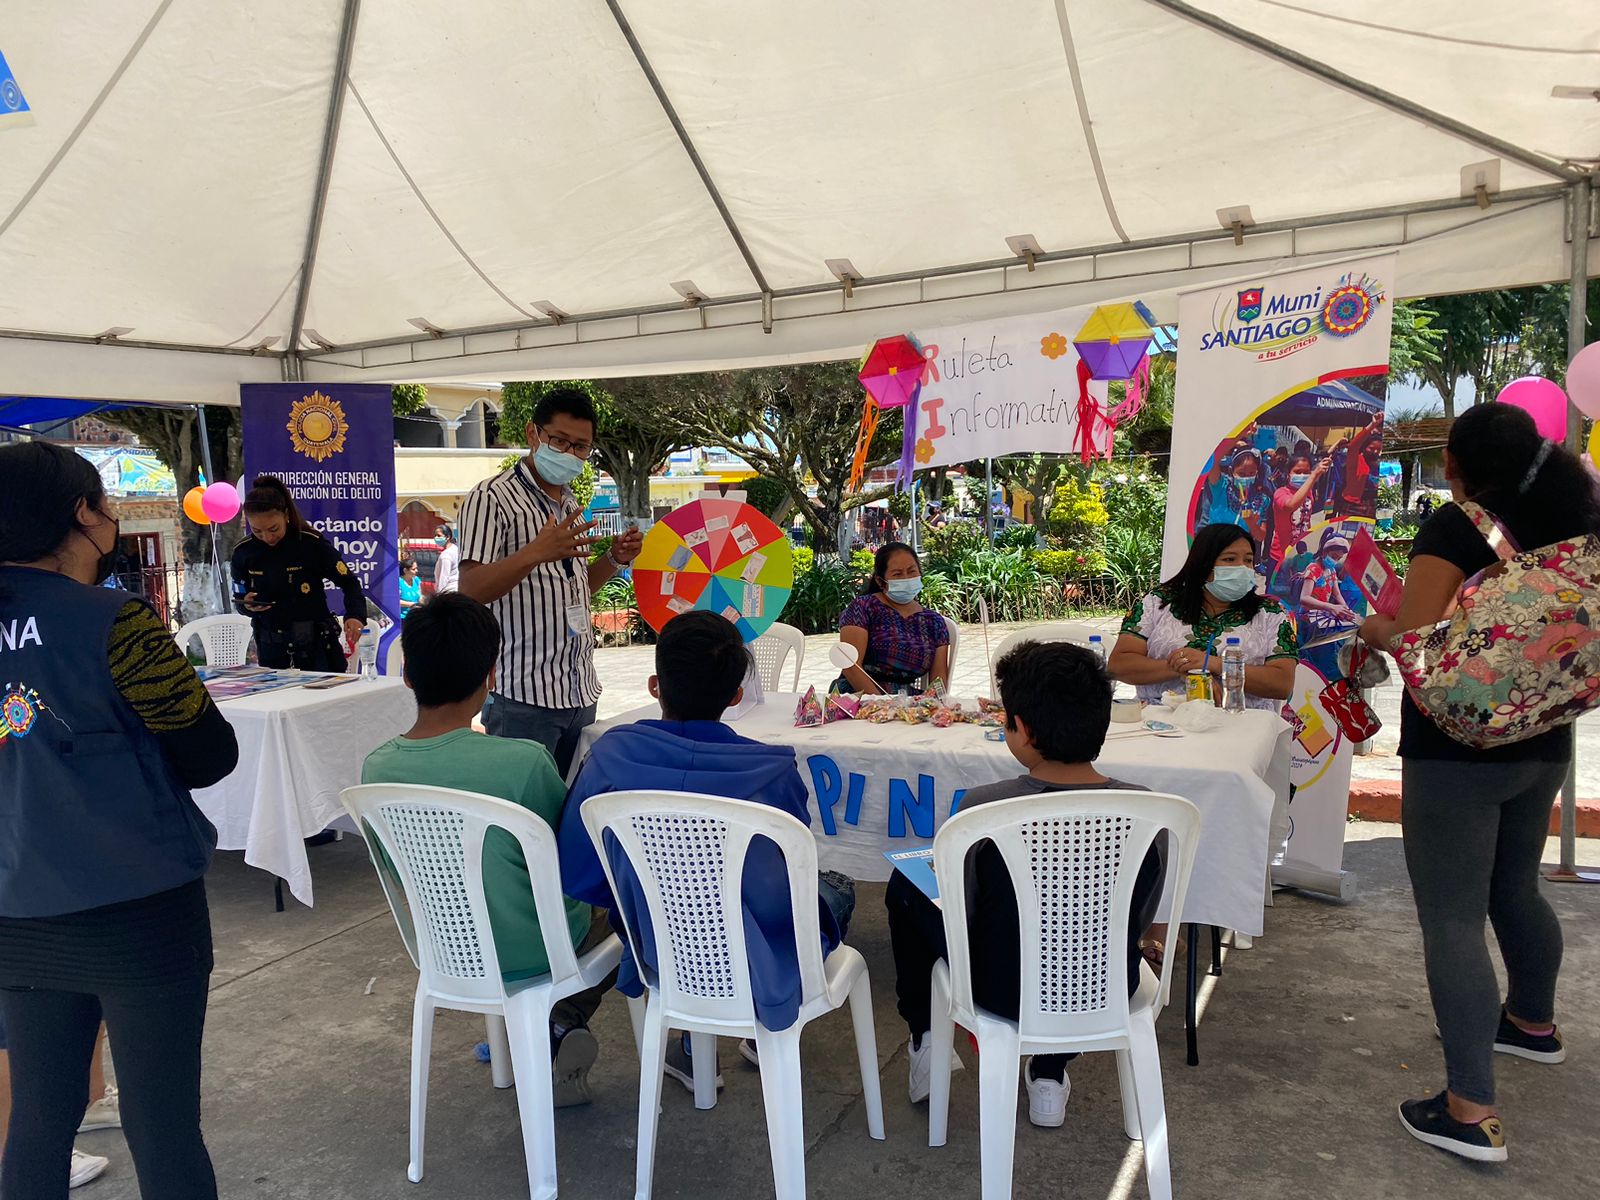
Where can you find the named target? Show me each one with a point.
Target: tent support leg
(1577, 319)
(211, 477)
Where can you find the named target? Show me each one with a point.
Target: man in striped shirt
(525, 553)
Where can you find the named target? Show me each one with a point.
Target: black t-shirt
(1449, 534)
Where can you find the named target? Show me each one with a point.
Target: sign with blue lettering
(14, 108)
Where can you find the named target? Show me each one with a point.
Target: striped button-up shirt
(541, 661)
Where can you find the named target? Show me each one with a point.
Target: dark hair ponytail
(39, 502)
(1502, 458)
(880, 565)
(269, 494)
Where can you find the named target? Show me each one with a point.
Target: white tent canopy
(525, 188)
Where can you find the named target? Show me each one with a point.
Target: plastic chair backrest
(1073, 858)
(224, 639)
(1054, 631)
(688, 852)
(394, 664)
(772, 649)
(434, 838)
(955, 641)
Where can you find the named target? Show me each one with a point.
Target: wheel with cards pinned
(723, 556)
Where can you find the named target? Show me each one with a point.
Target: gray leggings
(1474, 835)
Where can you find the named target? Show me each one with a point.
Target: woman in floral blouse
(1211, 598)
(901, 645)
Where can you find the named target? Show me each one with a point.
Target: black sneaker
(1430, 1121)
(1542, 1048)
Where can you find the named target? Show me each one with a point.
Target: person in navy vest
(104, 729)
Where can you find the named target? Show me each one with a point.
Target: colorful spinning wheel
(723, 556)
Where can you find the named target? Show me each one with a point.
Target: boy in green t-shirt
(450, 645)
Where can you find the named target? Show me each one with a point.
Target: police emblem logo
(317, 427)
(305, 589)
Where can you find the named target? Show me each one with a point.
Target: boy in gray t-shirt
(1057, 698)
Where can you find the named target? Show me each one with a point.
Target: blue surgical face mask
(1232, 583)
(904, 591)
(1331, 562)
(1299, 481)
(556, 467)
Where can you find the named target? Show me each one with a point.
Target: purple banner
(333, 445)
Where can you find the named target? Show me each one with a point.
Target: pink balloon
(220, 502)
(1583, 381)
(1543, 400)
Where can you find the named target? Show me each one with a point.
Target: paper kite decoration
(723, 556)
(1113, 341)
(892, 371)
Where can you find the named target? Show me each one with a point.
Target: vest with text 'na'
(90, 812)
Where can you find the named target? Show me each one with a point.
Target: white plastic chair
(394, 664)
(688, 853)
(1054, 631)
(955, 641)
(772, 649)
(1073, 859)
(224, 639)
(434, 837)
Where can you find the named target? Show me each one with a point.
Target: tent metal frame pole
(1368, 91)
(211, 477)
(1532, 195)
(689, 147)
(1577, 336)
(330, 145)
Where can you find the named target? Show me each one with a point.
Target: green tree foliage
(768, 496)
(795, 425)
(408, 398)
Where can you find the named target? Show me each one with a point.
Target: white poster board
(1278, 424)
(1002, 387)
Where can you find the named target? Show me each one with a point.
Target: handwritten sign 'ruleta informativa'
(1000, 387)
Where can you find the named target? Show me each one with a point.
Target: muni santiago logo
(1275, 323)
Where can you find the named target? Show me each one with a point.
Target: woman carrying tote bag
(1475, 819)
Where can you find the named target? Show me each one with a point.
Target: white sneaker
(1047, 1099)
(921, 1083)
(104, 1113)
(86, 1167)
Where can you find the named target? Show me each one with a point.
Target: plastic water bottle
(1097, 647)
(367, 654)
(1233, 676)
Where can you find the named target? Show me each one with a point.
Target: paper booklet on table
(917, 866)
(1369, 567)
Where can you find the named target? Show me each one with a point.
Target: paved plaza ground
(1308, 1042)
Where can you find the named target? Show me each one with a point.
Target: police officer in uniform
(277, 582)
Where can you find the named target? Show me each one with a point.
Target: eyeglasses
(583, 450)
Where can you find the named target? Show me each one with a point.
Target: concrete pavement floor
(1308, 1042)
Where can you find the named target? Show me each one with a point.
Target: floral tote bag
(1521, 654)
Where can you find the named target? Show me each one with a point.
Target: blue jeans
(838, 892)
(557, 729)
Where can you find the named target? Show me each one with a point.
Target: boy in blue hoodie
(701, 664)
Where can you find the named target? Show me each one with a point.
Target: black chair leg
(1216, 949)
(277, 893)
(1190, 1002)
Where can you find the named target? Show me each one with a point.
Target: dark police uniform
(298, 630)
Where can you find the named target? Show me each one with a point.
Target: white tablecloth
(883, 787)
(297, 751)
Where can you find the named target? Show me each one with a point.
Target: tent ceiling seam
(1425, 35)
(688, 146)
(330, 146)
(88, 115)
(272, 308)
(1083, 119)
(432, 212)
(1371, 92)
